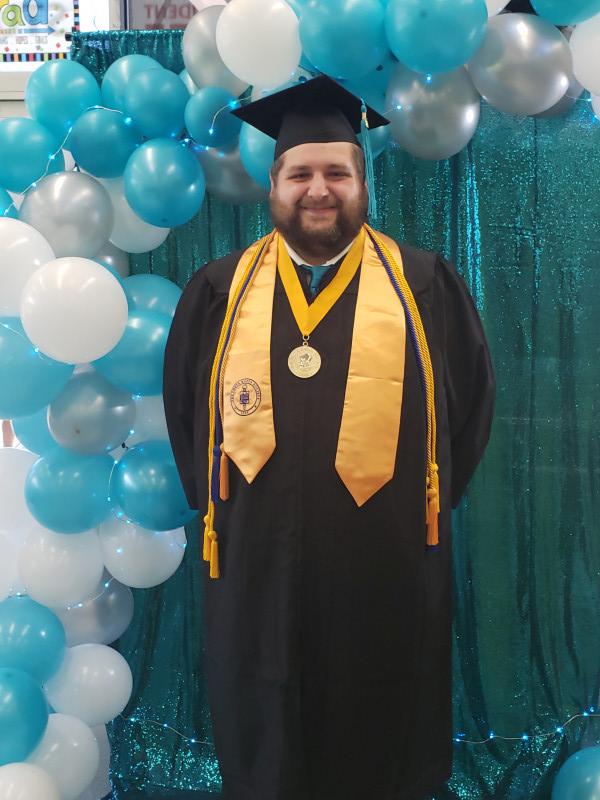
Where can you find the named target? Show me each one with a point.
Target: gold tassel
(214, 554)
(206, 545)
(224, 476)
(433, 506)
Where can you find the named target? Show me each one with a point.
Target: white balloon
(137, 556)
(94, 683)
(596, 105)
(101, 785)
(586, 53)
(495, 6)
(14, 468)
(69, 753)
(23, 781)
(200, 4)
(74, 310)
(247, 29)
(150, 421)
(201, 57)
(130, 233)
(22, 251)
(61, 569)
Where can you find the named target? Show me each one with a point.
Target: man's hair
(358, 158)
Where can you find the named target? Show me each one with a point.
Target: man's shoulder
(419, 266)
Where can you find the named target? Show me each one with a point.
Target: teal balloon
(435, 35)
(7, 208)
(163, 183)
(67, 492)
(208, 118)
(101, 142)
(28, 149)
(29, 380)
(32, 431)
(579, 776)
(135, 364)
(155, 101)
(147, 488)
(566, 12)
(379, 139)
(32, 638)
(343, 38)
(151, 293)
(58, 92)
(117, 77)
(256, 153)
(23, 715)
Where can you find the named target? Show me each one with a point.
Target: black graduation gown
(328, 634)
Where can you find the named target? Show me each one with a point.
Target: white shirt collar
(295, 257)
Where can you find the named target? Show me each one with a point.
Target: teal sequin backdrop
(518, 212)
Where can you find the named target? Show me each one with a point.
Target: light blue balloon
(343, 38)
(32, 431)
(23, 715)
(58, 92)
(117, 77)
(163, 183)
(67, 492)
(27, 149)
(155, 101)
(256, 153)
(32, 638)
(566, 12)
(579, 776)
(379, 139)
(373, 86)
(208, 118)
(101, 142)
(29, 380)
(151, 293)
(135, 364)
(435, 35)
(147, 488)
(7, 207)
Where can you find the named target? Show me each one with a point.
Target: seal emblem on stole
(245, 396)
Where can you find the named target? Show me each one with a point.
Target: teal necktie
(316, 275)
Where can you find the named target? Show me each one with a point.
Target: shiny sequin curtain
(518, 212)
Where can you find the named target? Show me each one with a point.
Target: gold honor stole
(240, 401)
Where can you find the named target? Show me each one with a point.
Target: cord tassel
(208, 523)
(224, 476)
(214, 554)
(433, 507)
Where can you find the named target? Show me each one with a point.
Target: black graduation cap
(318, 110)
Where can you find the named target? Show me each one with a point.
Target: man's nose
(318, 186)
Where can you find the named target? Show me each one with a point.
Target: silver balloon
(90, 415)
(226, 177)
(201, 57)
(524, 64)
(112, 257)
(102, 618)
(432, 116)
(72, 211)
(570, 97)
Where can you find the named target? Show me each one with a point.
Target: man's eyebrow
(327, 166)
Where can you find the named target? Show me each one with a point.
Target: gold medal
(304, 361)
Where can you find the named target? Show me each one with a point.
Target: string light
(459, 738)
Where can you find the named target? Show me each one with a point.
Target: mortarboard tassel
(369, 172)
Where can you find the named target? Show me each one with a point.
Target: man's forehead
(319, 154)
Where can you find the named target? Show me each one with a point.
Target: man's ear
(272, 183)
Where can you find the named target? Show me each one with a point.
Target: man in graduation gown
(296, 387)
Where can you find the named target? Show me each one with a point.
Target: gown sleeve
(179, 379)
(468, 377)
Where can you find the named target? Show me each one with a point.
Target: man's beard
(320, 242)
